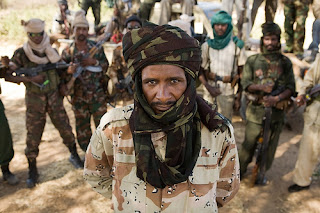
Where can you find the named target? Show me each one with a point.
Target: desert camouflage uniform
(38, 103)
(295, 11)
(110, 160)
(96, 9)
(89, 96)
(279, 71)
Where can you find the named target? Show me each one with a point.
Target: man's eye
(174, 81)
(151, 82)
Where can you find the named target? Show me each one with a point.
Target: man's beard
(81, 37)
(271, 47)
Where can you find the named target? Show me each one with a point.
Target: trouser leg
(254, 10)
(60, 118)
(225, 105)
(308, 157)
(289, 13)
(6, 147)
(270, 10)
(165, 13)
(96, 9)
(35, 122)
(301, 10)
(83, 127)
(252, 133)
(85, 4)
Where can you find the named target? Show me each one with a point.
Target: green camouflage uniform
(96, 8)
(6, 149)
(89, 97)
(279, 71)
(38, 103)
(295, 11)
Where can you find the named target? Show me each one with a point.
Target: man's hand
(300, 100)
(211, 76)
(88, 62)
(270, 101)
(72, 68)
(226, 79)
(267, 88)
(39, 79)
(214, 92)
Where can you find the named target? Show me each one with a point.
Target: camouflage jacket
(22, 61)
(88, 86)
(260, 70)
(110, 162)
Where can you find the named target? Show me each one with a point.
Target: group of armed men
(266, 84)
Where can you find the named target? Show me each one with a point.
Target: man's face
(63, 7)
(81, 33)
(36, 37)
(270, 42)
(133, 25)
(220, 29)
(163, 85)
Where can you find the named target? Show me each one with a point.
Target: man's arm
(98, 162)
(229, 177)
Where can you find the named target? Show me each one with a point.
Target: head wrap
(220, 42)
(34, 25)
(151, 45)
(37, 26)
(80, 19)
(65, 2)
(270, 28)
(183, 23)
(132, 18)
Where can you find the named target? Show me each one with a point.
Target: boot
(33, 173)
(8, 176)
(74, 157)
(311, 57)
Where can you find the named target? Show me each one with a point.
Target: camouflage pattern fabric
(38, 103)
(6, 148)
(89, 96)
(153, 44)
(270, 9)
(37, 106)
(22, 61)
(260, 69)
(96, 9)
(110, 160)
(295, 11)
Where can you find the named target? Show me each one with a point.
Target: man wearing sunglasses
(42, 95)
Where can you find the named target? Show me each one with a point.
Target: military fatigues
(270, 9)
(110, 160)
(295, 11)
(38, 103)
(309, 151)
(6, 148)
(119, 71)
(89, 96)
(277, 69)
(96, 8)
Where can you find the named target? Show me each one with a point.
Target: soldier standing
(96, 8)
(219, 59)
(263, 74)
(41, 98)
(309, 151)
(61, 26)
(295, 11)
(89, 89)
(6, 147)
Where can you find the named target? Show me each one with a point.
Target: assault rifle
(261, 152)
(80, 69)
(34, 71)
(313, 93)
(125, 83)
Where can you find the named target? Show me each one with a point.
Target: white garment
(309, 151)
(165, 9)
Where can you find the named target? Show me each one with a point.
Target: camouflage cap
(153, 44)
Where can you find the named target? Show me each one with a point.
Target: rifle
(259, 170)
(80, 69)
(233, 80)
(313, 94)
